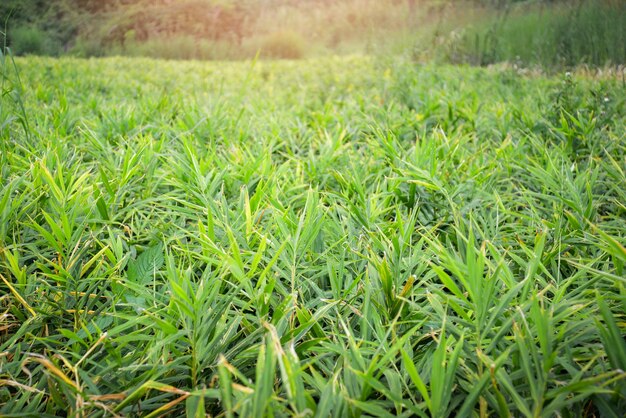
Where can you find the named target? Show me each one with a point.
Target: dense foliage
(338, 236)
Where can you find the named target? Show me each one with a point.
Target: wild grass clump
(336, 237)
(552, 36)
(179, 47)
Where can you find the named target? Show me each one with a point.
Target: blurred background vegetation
(549, 33)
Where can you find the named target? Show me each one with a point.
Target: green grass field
(334, 237)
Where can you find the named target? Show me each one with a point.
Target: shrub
(27, 40)
(88, 47)
(283, 44)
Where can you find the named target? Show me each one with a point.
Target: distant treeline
(60, 26)
(474, 31)
(193, 28)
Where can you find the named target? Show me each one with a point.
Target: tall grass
(564, 34)
(335, 237)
